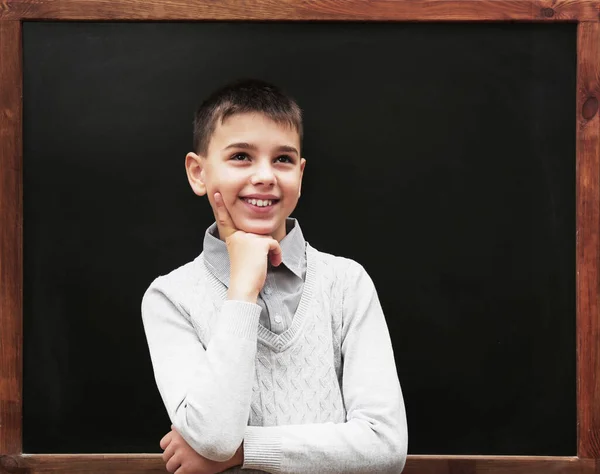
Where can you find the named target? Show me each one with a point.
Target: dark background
(440, 156)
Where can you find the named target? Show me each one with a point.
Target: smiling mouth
(260, 202)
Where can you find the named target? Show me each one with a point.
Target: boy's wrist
(242, 295)
(238, 457)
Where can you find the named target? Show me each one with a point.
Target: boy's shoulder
(339, 264)
(180, 280)
(351, 276)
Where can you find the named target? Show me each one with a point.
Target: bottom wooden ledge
(153, 463)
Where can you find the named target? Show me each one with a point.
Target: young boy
(268, 354)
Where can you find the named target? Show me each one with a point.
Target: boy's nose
(263, 175)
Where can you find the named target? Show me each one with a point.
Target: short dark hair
(244, 96)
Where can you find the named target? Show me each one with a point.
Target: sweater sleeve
(206, 390)
(374, 437)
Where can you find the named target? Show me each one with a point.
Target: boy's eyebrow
(249, 146)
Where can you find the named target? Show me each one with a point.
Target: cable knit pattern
(298, 384)
(323, 396)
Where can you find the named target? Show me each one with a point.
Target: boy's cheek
(228, 198)
(211, 189)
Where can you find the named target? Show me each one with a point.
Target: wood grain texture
(122, 464)
(11, 237)
(271, 10)
(588, 240)
(82, 463)
(588, 201)
(498, 465)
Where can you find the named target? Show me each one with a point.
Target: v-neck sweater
(323, 396)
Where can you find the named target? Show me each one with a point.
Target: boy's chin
(260, 230)
(258, 227)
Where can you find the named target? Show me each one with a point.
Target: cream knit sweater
(322, 397)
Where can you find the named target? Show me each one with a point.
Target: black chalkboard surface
(440, 156)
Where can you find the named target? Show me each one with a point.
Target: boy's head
(247, 139)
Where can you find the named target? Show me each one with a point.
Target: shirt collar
(292, 247)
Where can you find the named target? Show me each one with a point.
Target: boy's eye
(244, 156)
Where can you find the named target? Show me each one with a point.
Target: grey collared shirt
(280, 295)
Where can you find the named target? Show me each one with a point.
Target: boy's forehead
(254, 127)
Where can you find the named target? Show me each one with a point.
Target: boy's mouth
(260, 202)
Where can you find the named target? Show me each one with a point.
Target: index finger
(224, 221)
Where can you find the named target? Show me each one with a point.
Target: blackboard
(440, 156)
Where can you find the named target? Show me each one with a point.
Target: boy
(268, 354)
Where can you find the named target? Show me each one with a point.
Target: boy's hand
(180, 457)
(248, 256)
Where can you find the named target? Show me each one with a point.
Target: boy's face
(251, 157)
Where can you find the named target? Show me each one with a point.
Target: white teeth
(260, 202)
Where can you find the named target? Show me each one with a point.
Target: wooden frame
(586, 13)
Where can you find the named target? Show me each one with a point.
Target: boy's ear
(302, 165)
(194, 167)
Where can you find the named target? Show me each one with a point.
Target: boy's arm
(374, 437)
(207, 393)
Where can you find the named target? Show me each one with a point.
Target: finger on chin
(226, 225)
